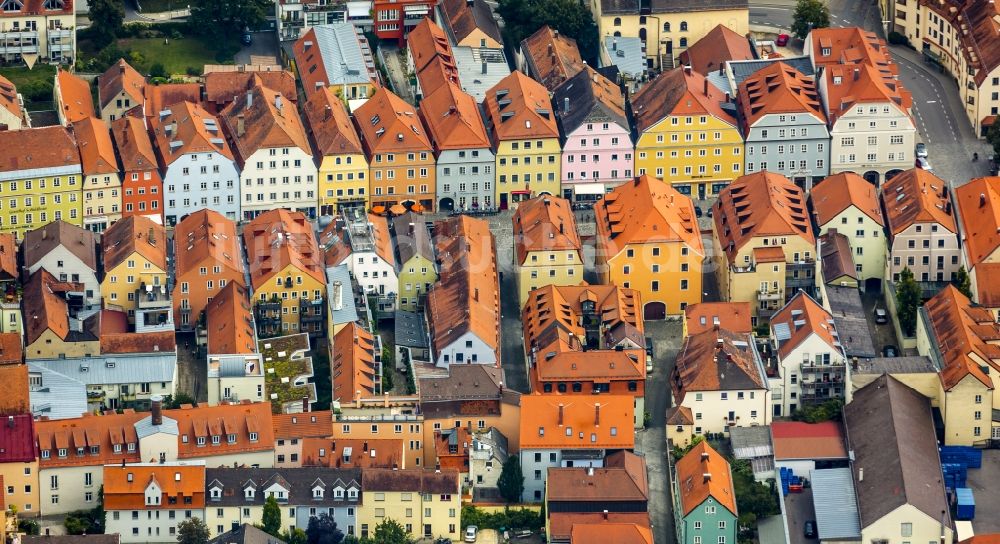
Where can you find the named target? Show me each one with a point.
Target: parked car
(890, 351)
(697, 211)
(782, 40)
(810, 529)
(649, 363)
(881, 316)
(247, 38)
(443, 540)
(471, 533)
(923, 164)
(922, 150)
(649, 346)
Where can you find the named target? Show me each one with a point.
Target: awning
(416, 10)
(989, 120)
(359, 9)
(588, 189)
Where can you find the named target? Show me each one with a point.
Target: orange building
(451, 449)
(165, 492)
(208, 256)
(381, 417)
(732, 316)
(291, 430)
(73, 99)
(229, 321)
(142, 187)
(355, 370)
(399, 151)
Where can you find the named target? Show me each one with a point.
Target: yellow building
(667, 24)
(50, 331)
(648, 240)
(685, 137)
(135, 257)
(416, 268)
(426, 503)
(335, 142)
(40, 179)
(526, 138)
(547, 247)
(18, 462)
(101, 182)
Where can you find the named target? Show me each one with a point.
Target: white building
(66, 251)
(362, 242)
(145, 502)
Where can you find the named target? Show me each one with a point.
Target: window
(906, 529)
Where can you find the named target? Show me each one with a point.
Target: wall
(535, 464)
(397, 178)
(289, 303)
(781, 135)
(142, 194)
(508, 422)
(26, 490)
(148, 525)
(479, 353)
(851, 133)
(342, 179)
(72, 268)
(285, 179)
(666, 270)
(925, 529)
(872, 241)
(711, 413)
(609, 143)
(412, 511)
(71, 493)
(191, 289)
(47, 199)
(224, 517)
(49, 346)
(241, 387)
(117, 105)
(117, 286)
(540, 176)
(414, 277)
(710, 530)
(184, 194)
(410, 431)
(792, 365)
(919, 233)
(542, 268)
(927, 384)
(466, 177)
(101, 201)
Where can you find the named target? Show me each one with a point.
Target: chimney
(707, 477)
(305, 404)
(687, 69)
(705, 87)
(614, 44)
(590, 471)
(857, 73)
(560, 414)
(551, 50)
(597, 414)
(327, 112)
(121, 67)
(156, 409)
(475, 295)
(605, 515)
(241, 128)
(561, 229)
(861, 474)
(729, 97)
(704, 457)
(982, 199)
(10, 422)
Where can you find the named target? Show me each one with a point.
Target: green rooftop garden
(287, 369)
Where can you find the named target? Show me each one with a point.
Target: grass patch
(284, 355)
(175, 55)
(35, 84)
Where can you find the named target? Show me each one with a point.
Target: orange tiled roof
(77, 102)
(345, 453)
(804, 316)
(118, 78)
(518, 107)
(205, 238)
(917, 196)
(131, 235)
(161, 97)
(458, 438)
(987, 280)
(97, 152)
(43, 308)
(353, 365)
(841, 191)
(8, 98)
(185, 128)
(278, 238)
(229, 322)
(716, 360)
(438, 73)
(851, 45)
(305, 425)
(778, 88)
(801, 440)
(962, 329)
(453, 119)
(11, 350)
(101, 431)
(239, 419)
(221, 88)
(137, 342)
(760, 204)
(979, 35)
(621, 479)
(329, 125)
(135, 149)
(388, 124)
(14, 390)
(732, 316)
(29, 149)
(561, 523)
(602, 533)
(647, 210)
(553, 57)
(269, 120)
(125, 486)
(546, 223)
(710, 53)
(680, 91)
(426, 42)
(335, 240)
(849, 85)
(559, 422)
(979, 203)
(695, 488)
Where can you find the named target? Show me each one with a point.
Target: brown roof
(205, 238)
(103, 431)
(837, 256)
(979, 203)
(463, 382)
(353, 452)
(647, 210)
(269, 121)
(97, 152)
(221, 88)
(229, 321)
(466, 298)
(679, 415)
(851, 45)
(77, 240)
(695, 488)
(546, 223)
(329, 125)
(8, 98)
(960, 330)
(43, 308)
(841, 191)
(890, 429)
(239, 419)
(804, 316)
(815, 441)
(917, 196)
(623, 478)
(125, 487)
(33, 148)
(979, 38)
(118, 78)
(426, 42)
(600, 415)
(518, 107)
(465, 16)
(561, 524)
(11, 350)
(732, 316)
(185, 128)
(680, 91)
(388, 124)
(135, 149)
(77, 102)
(552, 57)
(849, 85)
(14, 396)
(778, 88)
(8, 256)
(353, 366)
(717, 360)
(161, 97)
(710, 53)
(131, 235)
(422, 481)
(760, 204)
(412, 238)
(278, 238)
(335, 240)
(602, 533)
(453, 119)
(138, 342)
(307, 425)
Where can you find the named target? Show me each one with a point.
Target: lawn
(175, 55)
(35, 84)
(280, 370)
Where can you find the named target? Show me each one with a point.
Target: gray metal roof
(626, 54)
(232, 366)
(751, 442)
(742, 69)
(848, 313)
(145, 427)
(836, 505)
(410, 330)
(781, 331)
(895, 365)
(344, 58)
(469, 62)
(113, 369)
(772, 530)
(60, 397)
(347, 313)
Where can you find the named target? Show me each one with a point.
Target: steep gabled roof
(545, 223)
(717, 360)
(329, 125)
(185, 128)
(353, 366)
(387, 123)
(335, 55)
(776, 89)
(160, 97)
(917, 196)
(131, 235)
(453, 119)
(979, 203)
(97, 152)
(9, 100)
(680, 91)
(426, 42)
(36, 148)
(518, 107)
(841, 191)
(207, 238)
(719, 45)
(645, 210)
(837, 258)
(621, 479)
(269, 120)
(465, 16)
(961, 329)
(229, 322)
(77, 102)
(590, 97)
(850, 46)
(121, 77)
(849, 85)
(222, 88)
(79, 241)
(695, 487)
(411, 238)
(278, 238)
(44, 309)
(135, 149)
(552, 57)
(800, 318)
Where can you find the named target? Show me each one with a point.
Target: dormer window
(117, 448)
(94, 450)
(249, 493)
(352, 493)
(131, 447)
(317, 493)
(231, 438)
(825, 51)
(253, 437)
(201, 440)
(216, 440)
(338, 493)
(215, 493)
(79, 451)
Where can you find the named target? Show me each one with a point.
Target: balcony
(59, 33)
(814, 368)
(152, 296)
(771, 294)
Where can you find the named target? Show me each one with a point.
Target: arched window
(666, 27)
(684, 42)
(618, 21)
(642, 34)
(684, 26)
(618, 34)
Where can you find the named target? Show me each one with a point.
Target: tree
(295, 536)
(322, 529)
(754, 500)
(107, 17)
(229, 17)
(192, 531)
(809, 14)
(391, 532)
(570, 17)
(908, 296)
(993, 137)
(158, 70)
(511, 481)
(962, 282)
(270, 521)
(815, 413)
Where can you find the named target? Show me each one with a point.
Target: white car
(470, 533)
(649, 364)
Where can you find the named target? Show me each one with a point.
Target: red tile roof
(161, 97)
(77, 102)
(306, 425)
(206, 238)
(17, 438)
(841, 191)
(8, 258)
(716, 360)
(185, 128)
(97, 152)
(602, 533)
(268, 121)
(680, 91)
(125, 486)
(353, 365)
(552, 57)
(353, 453)
(453, 119)
(329, 125)
(43, 308)
(11, 350)
(979, 204)
(135, 149)
(850, 45)
(849, 85)
(229, 322)
(426, 42)
(561, 523)
(647, 210)
(695, 488)
(100, 431)
(960, 330)
(131, 235)
(987, 280)
(138, 342)
(804, 317)
(239, 419)
(800, 440)
(118, 78)
(545, 223)
(221, 88)
(278, 238)
(570, 422)
(732, 316)
(517, 108)
(775, 89)
(719, 45)
(9, 100)
(14, 392)
(45, 147)
(917, 196)
(388, 124)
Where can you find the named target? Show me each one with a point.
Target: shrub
(895, 38)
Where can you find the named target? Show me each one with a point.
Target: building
(67, 252)
(260, 127)
(596, 138)
(732, 316)
(720, 376)
(900, 455)
(464, 160)
(292, 430)
(142, 186)
(13, 116)
(547, 246)
(836, 263)
(648, 240)
(162, 96)
(246, 534)
(42, 179)
(846, 202)
(199, 169)
(294, 18)
(73, 101)
(416, 263)
(921, 225)
(101, 181)
(236, 496)
(425, 503)
(336, 56)
(235, 366)
(135, 262)
(684, 134)
(378, 417)
(429, 57)
(627, 56)
(812, 365)
(354, 370)
(223, 86)
(471, 25)
(488, 453)
(19, 458)
(719, 46)
(10, 284)
(165, 492)
(763, 242)
(805, 447)
(40, 30)
(363, 242)
(463, 307)
(343, 168)
(285, 263)
(550, 58)
(704, 497)
(354, 453)
(566, 431)
(586, 339)
(119, 89)
(523, 127)
(207, 256)
(342, 306)
(979, 228)
(783, 122)
(52, 324)
(288, 365)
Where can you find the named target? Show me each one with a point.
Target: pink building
(597, 143)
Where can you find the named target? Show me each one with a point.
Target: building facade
(135, 262)
(923, 231)
(343, 168)
(547, 246)
(207, 256)
(102, 182)
(142, 186)
(49, 188)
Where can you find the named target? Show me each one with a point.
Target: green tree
(907, 301)
(322, 529)
(271, 518)
(962, 282)
(681, 452)
(815, 413)
(993, 137)
(754, 500)
(810, 14)
(391, 532)
(158, 70)
(107, 18)
(192, 531)
(511, 481)
(570, 17)
(229, 17)
(295, 536)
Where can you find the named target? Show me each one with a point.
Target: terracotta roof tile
(561, 523)
(453, 119)
(567, 422)
(800, 440)
(77, 102)
(426, 42)
(125, 486)
(185, 128)
(979, 203)
(118, 78)
(732, 316)
(850, 45)
(917, 196)
(241, 419)
(552, 57)
(269, 121)
(33, 148)
(438, 73)
(804, 316)
(837, 256)
(388, 124)
(229, 322)
(9, 100)
(278, 238)
(205, 238)
(624, 481)
(644, 211)
(96, 149)
(778, 88)
(987, 280)
(102, 431)
(161, 97)
(44, 309)
(546, 223)
(961, 329)
(849, 85)
(465, 17)
(329, 125)
(518, 107)
(305, 425)
(131, 235)
(77, 240)
(717, 360)
(333, 55)
(426, 482)
(695, 488)
(602, 533)
(138, 342)
(14, 399)
(135, 149)
(840, 191)
(678, 92)
(11, 350)
(979, 39)
(679, 415)
(8, 258)
(353, 365)
(221, 88)
(353, 452)
(719, 45)
(17, 436)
